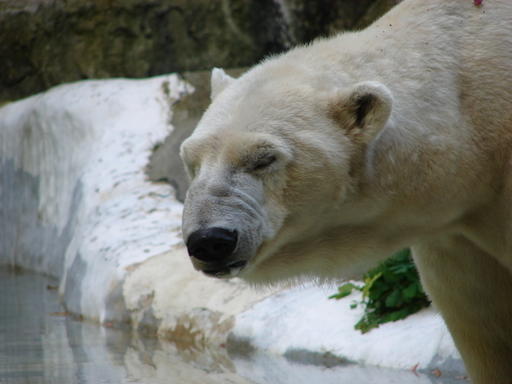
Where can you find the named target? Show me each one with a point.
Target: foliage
(391, 291)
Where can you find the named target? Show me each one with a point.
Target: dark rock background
(47, 42)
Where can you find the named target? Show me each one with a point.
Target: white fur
(426, 165)
(219, 81)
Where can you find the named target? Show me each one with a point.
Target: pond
(40, 344)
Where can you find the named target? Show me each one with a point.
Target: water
(41, 344)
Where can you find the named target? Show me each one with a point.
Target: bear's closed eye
(264, 162)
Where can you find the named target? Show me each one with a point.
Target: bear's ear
(219, 81)
(362, 111)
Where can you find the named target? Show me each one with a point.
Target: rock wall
(47, 42)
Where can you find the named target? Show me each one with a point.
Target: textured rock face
(310, 19)
(48, 42)
(45, 42)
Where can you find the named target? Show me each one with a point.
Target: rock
(48, 42)
(375, 10)
(310, 19)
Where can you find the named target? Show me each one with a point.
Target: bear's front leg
(474, 294)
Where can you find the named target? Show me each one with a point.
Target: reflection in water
(39, 344)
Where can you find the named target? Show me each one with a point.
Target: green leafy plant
(391, 291)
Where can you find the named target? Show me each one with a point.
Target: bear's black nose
(212, 244)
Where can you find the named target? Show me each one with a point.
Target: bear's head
(275, 166)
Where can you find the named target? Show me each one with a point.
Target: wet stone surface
(40, 343)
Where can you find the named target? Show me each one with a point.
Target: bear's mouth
(218, 269)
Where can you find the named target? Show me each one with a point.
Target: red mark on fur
(478, 2)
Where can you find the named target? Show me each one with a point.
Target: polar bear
(321, 162)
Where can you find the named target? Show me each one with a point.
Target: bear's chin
(268, 273)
